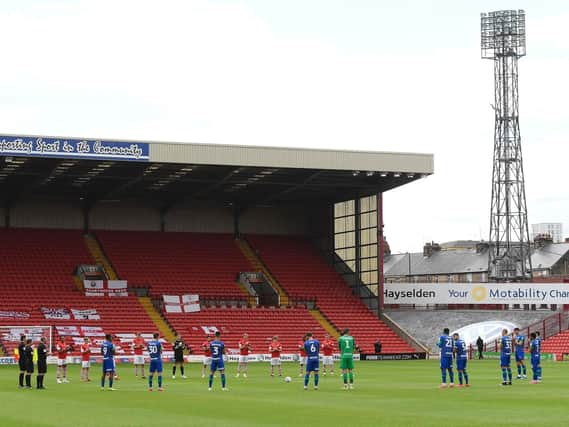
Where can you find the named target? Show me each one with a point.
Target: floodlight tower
(504, 41)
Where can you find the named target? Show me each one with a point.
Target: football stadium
(107, 243)
(149, 283)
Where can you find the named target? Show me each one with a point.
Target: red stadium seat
(304, 275)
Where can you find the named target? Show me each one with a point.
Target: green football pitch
(401, 393)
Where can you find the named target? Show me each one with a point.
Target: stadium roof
(94, 170)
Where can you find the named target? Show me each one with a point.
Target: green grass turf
(403, 393)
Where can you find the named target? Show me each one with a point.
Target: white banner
(100, 288)
(14, 334)
(56, 313)
(476, 293)
(71, 331)
(209, 330)
(192, 308)
(14, 315)
(117, 288)
(94, 288)
(92, 331)
(88, 314)
(190, 299)
(171, 299)
(173, 308)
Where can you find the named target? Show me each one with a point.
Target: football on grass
(288, 379)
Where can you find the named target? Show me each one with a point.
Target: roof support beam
(294, 188)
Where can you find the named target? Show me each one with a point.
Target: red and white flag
(183, 304)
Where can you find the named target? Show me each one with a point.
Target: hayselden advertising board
(476, 293)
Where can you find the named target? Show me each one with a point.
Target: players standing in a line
(244, 349)
(347, 346)
(206, 355)
(85, 359)
(301, 356)
(217, 349)
(108, 353)
(28, 357)
(62, 350)
(179, 347)
(42, 363)
(535, 351)
(461, 352)
(328, 354)
(519, 353)
(312, 348)
(446, 345)
(154, 348)
(275, 348)
(138, 345)
(21, 346)
(505, 357)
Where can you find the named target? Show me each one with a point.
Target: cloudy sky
(353, 74)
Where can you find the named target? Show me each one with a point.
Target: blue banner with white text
(77, 148)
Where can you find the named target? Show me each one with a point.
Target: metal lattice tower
(504, 41)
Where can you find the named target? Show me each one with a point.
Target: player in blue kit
(538, 338)
(217, 349)
(312, 348)
(519, 353)
(461, 352)
(446, 345)
(535, 351)
(108, 353)
(154, 348)
(505, 357)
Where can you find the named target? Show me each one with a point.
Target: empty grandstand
(190, 219)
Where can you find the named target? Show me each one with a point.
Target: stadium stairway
(251, 300)
(165, 329)
(99, 256)
(259, 265)
(326, 325)
(303, 272)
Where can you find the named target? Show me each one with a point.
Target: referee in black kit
(29, 362)
(21, 365)
(42, 363)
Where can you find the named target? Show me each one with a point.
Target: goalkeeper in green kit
(347, 345)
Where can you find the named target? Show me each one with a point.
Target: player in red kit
(275, 348)
(138, 345)
(85, 359)
(327, 355)
(206, 355)
(62, 349)
(244, 349)
(301, 356)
